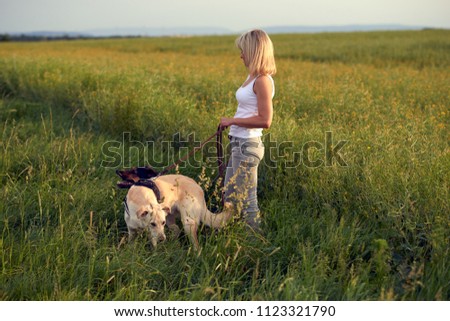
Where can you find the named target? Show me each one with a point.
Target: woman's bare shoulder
(263, 82)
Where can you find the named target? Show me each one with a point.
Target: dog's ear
(129, 175)
(124, 184)
(167, 210)
(142, 214)
(146, 172)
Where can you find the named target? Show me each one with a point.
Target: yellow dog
(155, 201)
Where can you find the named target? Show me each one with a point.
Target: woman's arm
(263, 90)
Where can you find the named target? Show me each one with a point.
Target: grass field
(375, 229)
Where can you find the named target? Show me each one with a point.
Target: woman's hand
(226, 122)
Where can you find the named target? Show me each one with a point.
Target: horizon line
(140, 31)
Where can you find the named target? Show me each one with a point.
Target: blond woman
(254, 113)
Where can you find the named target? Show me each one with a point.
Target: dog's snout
(162, 238)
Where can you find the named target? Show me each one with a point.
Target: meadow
(374, 227)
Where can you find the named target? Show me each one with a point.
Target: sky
(235, 15)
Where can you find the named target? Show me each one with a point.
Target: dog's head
(143, 212)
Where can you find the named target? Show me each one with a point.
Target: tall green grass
(377, 228)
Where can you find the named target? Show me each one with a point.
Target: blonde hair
(258, 51)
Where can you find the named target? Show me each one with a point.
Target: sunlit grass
(375, 229)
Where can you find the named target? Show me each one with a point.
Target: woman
(254, 113)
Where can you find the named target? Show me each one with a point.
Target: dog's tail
(220, 219)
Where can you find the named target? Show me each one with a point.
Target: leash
(149, 182)
(221, 165)
(220, 155)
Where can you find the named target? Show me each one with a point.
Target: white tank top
(247, 107)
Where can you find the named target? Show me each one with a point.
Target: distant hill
(193, 31)
(345, 28)
(51, 34)
(56, 34)
(155, 32)
(42, 35)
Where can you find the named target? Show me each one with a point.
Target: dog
(155, 201)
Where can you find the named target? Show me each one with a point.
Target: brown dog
(153, 203)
